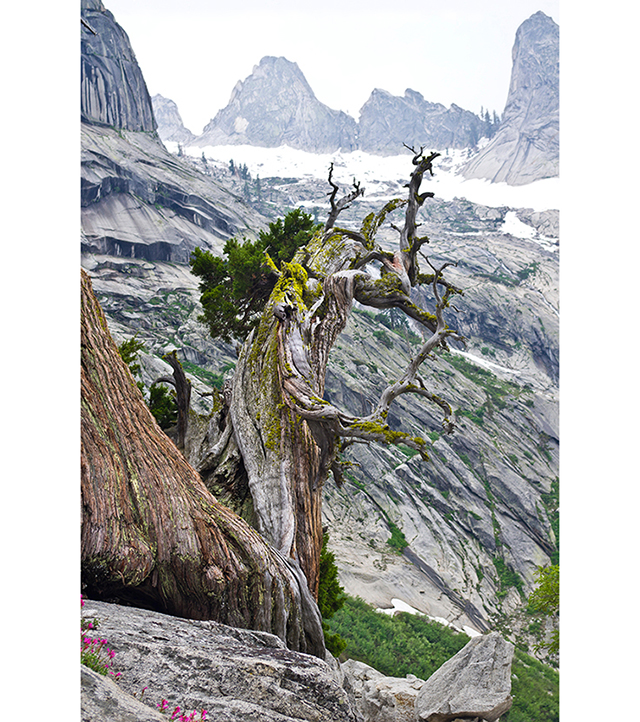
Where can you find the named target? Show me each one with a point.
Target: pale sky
(458, 51)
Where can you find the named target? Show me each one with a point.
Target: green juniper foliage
(128, 351)
(331, 597)
(163, 406)
(236, 287)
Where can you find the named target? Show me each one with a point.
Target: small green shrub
(398, 540)
(163, 406)
(507, 578)
(383, 337)
(535, 688)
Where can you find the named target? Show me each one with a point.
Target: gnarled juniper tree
(287, 435)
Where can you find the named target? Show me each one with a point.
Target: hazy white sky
(451, 51)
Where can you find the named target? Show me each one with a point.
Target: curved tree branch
(344, 202)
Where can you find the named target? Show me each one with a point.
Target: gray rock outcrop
(275, 106)
(526, 146)
(170, 125)
(379, 698)
(235, 674)
(104, 700)
(475, 683)
(387, 121)
(113, 90)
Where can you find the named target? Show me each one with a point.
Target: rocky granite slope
(139, 201)
(526, 146)
(237, 675)
(234, 674)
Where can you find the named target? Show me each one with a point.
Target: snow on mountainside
(376, 172)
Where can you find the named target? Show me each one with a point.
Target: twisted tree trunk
(287, 434)
(152, 534)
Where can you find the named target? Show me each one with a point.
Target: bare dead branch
(343, 203)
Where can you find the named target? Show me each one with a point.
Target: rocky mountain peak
(526, 147)
(276, 106)
(387, 121)
(170, 126)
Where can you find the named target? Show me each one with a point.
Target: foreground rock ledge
(237, 675)
(475, 683)
(379, 698)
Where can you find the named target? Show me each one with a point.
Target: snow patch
(401, 606)
(240, 124)
(483, 362)
(470, 631)
(371, 170)
(515, 227)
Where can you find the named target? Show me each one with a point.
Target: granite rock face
(379, 698)
(170, 125)
(475, 683)
(387, 121)
(276, 106)
(235, 674)
(104, 700)
(526, 146)
(139, 201)
(113, 90)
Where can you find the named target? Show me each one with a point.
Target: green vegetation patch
(208, 377)
(331, 597)
(162, 403)
(398, 541)
(507, 577)
(535, 688)
(382, 336)
(396, 646)
(495, 389)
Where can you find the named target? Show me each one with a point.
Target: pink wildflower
(176, 712)
(204, 713)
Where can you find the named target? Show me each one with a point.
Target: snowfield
(373, 170)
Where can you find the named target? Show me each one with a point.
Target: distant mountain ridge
(275, 106)
(387, 121)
